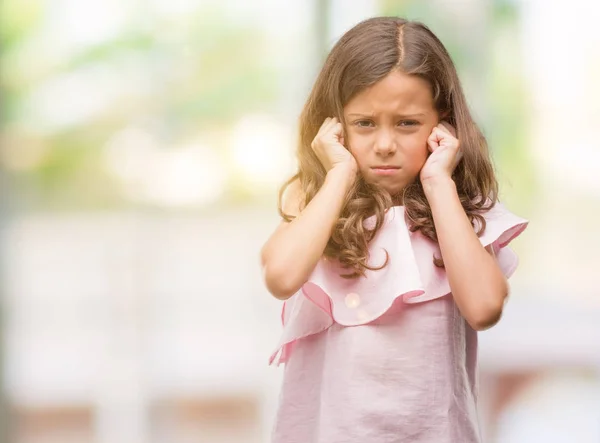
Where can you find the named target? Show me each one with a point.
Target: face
(387, 126)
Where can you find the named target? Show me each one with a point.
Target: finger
(444, 137)
(338, 131)
(334, 129)
(440, 127)
(332, 126)
(433, 141)
(325, 126)
(447, 127)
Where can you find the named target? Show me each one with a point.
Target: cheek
(359, 147)
(416, 150)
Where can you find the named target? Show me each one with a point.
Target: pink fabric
(368, 361)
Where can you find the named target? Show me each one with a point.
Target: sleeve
(501, 227)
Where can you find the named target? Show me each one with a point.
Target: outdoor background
(142, 144)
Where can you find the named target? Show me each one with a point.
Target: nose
(385, 145)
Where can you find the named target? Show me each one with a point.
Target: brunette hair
(363, 56)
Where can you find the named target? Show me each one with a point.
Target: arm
(294, 249)
(292, 252)
(478, 285)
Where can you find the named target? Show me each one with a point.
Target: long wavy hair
(363, 56)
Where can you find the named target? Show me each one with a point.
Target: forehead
(397, 92)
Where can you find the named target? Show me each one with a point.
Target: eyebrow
(399, 115)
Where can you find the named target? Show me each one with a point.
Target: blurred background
(142, 146)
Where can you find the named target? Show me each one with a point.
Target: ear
(445, 115)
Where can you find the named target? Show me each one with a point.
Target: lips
(385, 169)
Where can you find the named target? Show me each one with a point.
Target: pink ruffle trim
(409, 276)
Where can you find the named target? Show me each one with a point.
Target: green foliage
(205, 72)
(18, 18)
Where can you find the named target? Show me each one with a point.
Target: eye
(363, 123)
(408, 123)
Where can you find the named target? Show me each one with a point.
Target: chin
(392, 188)
(387, 187)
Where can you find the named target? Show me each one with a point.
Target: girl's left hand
(445, 153)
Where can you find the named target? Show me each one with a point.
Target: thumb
(433, 141)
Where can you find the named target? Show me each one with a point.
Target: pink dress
(387, 357)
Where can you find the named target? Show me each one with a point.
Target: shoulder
(292, 198)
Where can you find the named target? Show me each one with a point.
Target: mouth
(385, 169)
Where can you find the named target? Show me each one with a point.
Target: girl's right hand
(329, 148)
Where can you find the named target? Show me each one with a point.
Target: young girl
(392, 252)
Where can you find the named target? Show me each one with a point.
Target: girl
(392, 252)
